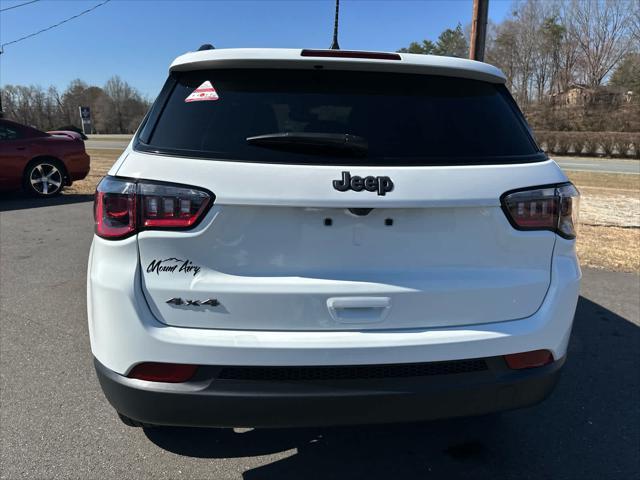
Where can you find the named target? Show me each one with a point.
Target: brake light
(163, 372)
(124, 207)
(115, 208)
(350, 54)
(553, 208)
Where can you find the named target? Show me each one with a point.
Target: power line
(19, 5)
(52, 26)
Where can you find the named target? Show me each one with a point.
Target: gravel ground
(610, 208)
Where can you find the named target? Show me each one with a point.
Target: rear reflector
(163, 372)
(536, 358)
(350, 54)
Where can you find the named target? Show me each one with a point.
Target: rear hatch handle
(359, 309)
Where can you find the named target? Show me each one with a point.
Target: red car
(41, 163)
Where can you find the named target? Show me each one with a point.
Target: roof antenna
(334, 45)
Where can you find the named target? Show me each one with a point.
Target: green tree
(627, 74)
(552, 34)
(452, 43)
(426, 47)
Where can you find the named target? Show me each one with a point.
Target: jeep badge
(380, 184)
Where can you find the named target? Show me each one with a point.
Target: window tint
(406, 119)
(8, 133)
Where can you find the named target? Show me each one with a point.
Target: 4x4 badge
(371, 184)
(209, 302)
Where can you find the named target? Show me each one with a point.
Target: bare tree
(123, 105)
(602, 32)
(569, 53)
(528, 15)
(118, 108)
(544, 47)
(502, 50)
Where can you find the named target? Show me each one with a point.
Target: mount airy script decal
(173, 265)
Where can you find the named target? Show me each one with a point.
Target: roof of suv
(294, 59)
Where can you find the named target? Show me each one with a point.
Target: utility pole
(479, 29)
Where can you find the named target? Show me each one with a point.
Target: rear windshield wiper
(313, 143)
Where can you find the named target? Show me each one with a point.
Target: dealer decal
(173, 265)
(203, 93)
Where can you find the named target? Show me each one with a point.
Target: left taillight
(124, 207)
(115, 208)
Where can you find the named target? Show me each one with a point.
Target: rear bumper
(207, 400)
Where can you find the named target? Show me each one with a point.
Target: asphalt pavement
(106, 144)
(602, 165)
(55, 422)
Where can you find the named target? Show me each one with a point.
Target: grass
(617, 181)
(101, 162)
(609, 232)
(609, 248)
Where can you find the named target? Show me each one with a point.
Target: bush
(609, 144)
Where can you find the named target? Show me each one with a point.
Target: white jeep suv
(322, 237)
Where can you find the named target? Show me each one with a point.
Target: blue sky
(137, 39)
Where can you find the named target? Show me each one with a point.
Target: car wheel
(44, 178)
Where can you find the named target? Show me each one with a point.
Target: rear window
(405, 119)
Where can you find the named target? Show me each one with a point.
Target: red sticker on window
(203, 93)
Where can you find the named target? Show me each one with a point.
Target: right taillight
(553, 208)
(124, 207)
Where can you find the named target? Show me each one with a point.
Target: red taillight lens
(163, 372)
(536, 358)
(552, 208)
(123, 207)
(115, 208)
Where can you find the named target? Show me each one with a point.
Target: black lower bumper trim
(210, 401)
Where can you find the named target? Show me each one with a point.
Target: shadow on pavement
(20, 201)
(588, 428)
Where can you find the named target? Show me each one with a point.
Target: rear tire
(44, 177)
(130, 422)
